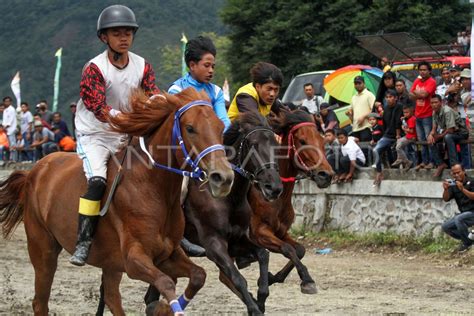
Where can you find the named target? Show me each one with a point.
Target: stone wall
(405, 203)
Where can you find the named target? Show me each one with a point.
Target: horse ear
(276, 121)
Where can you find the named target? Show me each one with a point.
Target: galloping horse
(141, 232)
(303, 151)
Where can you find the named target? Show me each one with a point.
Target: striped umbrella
(340, 84)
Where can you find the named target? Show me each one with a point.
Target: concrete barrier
(405, 203)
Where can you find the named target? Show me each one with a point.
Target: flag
(58, 54)
(15, 85)
(225, 90)
(184, 41)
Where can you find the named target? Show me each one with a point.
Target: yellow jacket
(249, 89)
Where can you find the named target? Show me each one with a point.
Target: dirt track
(348, 282)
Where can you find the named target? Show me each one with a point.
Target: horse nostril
(216, 177)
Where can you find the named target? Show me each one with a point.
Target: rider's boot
(191, 249)
(89, 210)
(85, 233)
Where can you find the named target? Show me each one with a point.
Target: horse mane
(146, 115)
(244, 121)
(282, 122)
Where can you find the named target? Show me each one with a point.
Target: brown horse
(303, 152)
(221, 225)
(140, 234)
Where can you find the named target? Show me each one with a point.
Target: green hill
(32, 31)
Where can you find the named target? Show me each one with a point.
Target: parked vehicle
(295, 91)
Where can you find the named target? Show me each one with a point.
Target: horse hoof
(158, 308)
(309, 288)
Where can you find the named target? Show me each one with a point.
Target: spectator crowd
(27, 136)
(426, 127)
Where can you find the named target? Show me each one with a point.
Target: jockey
(199, 56)
(105, 86)
(260, 94)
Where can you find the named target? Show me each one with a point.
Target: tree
(300, 36)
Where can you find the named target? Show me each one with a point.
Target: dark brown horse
(140, 234)
(302, 152)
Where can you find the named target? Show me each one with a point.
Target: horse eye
(190, 129)
(302, 142)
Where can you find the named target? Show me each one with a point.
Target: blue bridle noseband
(176, 137)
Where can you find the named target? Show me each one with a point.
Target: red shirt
(423, 106)
(411, 123)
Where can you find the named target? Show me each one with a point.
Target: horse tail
(11, 201)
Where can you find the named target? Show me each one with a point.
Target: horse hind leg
(43, 250)
(110, 293)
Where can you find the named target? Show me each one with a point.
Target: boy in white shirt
(350, 158)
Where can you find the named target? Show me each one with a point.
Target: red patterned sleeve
(93, 91)
(148, 82)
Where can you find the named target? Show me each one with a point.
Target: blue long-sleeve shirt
(214, 92)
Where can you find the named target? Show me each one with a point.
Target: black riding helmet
(116, 16)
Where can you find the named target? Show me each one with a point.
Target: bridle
(267, 165)
(177, 138)
(293, 150)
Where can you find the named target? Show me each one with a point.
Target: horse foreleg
(43, 250)
(265, 237)
(281, 275)
(110, 291)
(179, 265)
(139, 266)
(217, 251)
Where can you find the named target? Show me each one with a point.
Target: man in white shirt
(26, 128)
(442, 88)
(312, 102)
(351, 157)
(9, 122)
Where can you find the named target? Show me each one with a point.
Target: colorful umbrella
(340, 84)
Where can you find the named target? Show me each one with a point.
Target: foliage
(31, 34)
(343, 239)
(301, 36)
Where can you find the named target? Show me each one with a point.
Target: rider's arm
(220, 110)
(246, 103)
(93, 91)
(148, 82)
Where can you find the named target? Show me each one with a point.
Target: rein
(292, 148)
(176, 137)
(247, 174)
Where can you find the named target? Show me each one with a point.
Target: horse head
(305, 144)
(194, 135)
(253, 142)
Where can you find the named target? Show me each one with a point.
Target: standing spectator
(37, 117)
(447, 80)
(4, 145)
(447, 126)
(423, 88)
(409, 128)
(461, 189)
(312, 102)
(388, 82)
(59, 123)
(10, 123)
(392, 131)
(326, 118)
(2, 108)
(351, 157)
(26, 129)
(73, 107)
(385, 64)
(43, 141)
(360, 107)
(46, 114)
(375, 129)
(455, 71)
(466, 97)
(402, 93)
